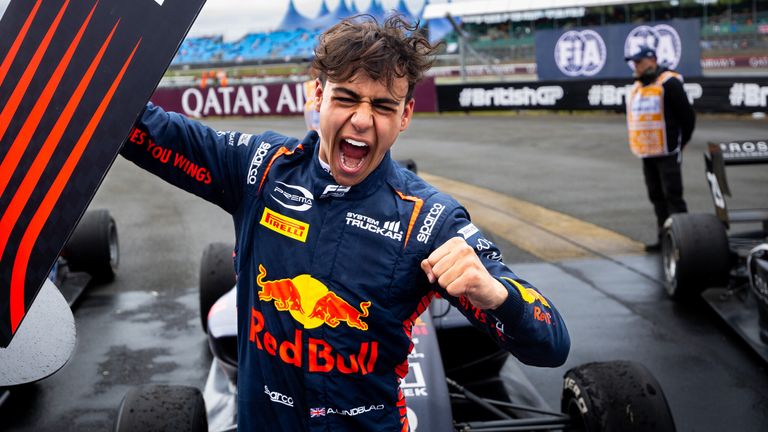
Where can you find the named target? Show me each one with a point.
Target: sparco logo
(429, 222)
(580, 53)
(278, 397)
(663, 38)
(258, 159)
(301, 197)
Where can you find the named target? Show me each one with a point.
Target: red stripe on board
(12, 158)
(21, 197)
(11, 56)
(29, 239)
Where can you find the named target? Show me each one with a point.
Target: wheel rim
(671, 257)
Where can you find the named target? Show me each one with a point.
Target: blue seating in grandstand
(252, 47)
(296, 39)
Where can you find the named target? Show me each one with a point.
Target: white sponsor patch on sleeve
(244, 139)
(468, 231)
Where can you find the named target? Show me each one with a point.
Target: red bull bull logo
(311, 303)
(284, 292)
(326, 306)
(332, 310)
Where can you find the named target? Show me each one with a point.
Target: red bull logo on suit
(326, 307)
(312, 304)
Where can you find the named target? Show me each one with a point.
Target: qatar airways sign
(247, 100)
(259, 99)
(598, 52)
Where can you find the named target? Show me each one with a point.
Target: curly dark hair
(388, 51)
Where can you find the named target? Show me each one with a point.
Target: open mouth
(353, 154)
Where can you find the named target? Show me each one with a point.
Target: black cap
(643, 52)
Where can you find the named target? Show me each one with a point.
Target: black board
(74, 76)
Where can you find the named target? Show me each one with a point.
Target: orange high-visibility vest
(645, 117)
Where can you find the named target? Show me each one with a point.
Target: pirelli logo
(284, 225)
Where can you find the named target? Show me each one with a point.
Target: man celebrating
(660, 121)
(339, 250)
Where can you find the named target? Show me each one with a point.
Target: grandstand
(498, 32)
(292, 42)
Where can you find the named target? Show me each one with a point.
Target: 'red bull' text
(317, 354)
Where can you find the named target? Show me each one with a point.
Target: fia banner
(599, 52)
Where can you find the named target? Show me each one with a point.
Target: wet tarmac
(144, 327)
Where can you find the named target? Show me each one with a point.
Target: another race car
(46, 337)
(701, 257)
(458, 380)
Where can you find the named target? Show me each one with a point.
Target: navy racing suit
(329, 277)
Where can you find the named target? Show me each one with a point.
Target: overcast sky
(234, 18)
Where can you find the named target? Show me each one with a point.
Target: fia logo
(662, 38)
(580, 53)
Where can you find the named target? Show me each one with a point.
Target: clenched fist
(455, 267)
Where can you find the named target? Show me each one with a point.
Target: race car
(458, 379)
(46, 338)
(701, 257)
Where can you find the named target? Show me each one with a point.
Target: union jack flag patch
(317, 412)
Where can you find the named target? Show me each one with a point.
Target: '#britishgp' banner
(734, 95)
(598, 52)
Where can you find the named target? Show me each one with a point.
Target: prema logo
(663, 38)
(580, 53)
(298, 198)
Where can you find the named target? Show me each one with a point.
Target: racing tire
(615, 396)
(695, 254)
(217, 277)
(159, 408)
(93, 247)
